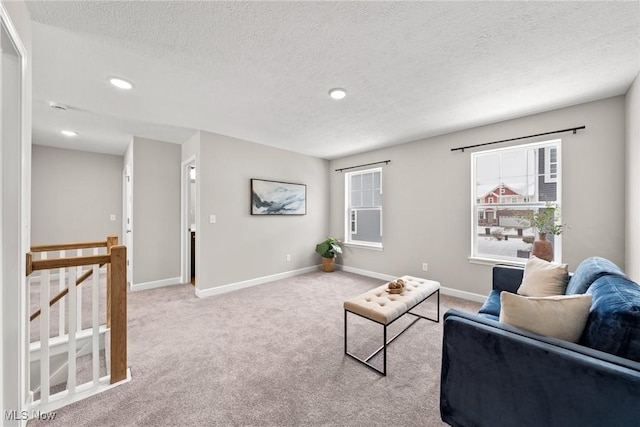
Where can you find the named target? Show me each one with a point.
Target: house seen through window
(508, 184)
(363, 192)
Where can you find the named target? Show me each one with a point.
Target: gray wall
(427, 203)
(73, 195)
(632, 157)
(156, 211)
(240, 246)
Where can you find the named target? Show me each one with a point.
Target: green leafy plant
(330, 248)
(545, 220)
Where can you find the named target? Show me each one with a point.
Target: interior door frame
(14, 346)
(185, 235)
(127, 213)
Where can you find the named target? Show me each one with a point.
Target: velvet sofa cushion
(491, 305)
(614, 318)
(543, 278)
(558, 316)
(588, 271)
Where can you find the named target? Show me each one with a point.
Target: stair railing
(72, 272)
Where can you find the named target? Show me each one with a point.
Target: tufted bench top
(383, 307)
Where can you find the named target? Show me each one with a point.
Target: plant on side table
(329, 250)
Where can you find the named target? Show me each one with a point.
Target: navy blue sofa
(495, 374)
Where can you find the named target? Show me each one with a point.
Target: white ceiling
(260, 71)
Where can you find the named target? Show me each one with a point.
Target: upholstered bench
(384, 308)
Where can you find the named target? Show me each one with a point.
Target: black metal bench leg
(384, 356)
(345, 332)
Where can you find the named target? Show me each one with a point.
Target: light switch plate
(212, 219)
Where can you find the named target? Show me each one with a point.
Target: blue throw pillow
(491, 305)
(614, 319)
(588, 272)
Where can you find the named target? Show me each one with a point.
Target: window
(550, 164)
(530, 174)
(363, 190)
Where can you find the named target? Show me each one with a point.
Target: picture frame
(278, 198)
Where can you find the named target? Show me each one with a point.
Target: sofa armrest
(497, 375)
(507, 278)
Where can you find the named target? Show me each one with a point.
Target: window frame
(548, 164)
(351, 221)
(477, 200)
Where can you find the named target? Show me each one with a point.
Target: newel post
(112, 240)
(118, 311)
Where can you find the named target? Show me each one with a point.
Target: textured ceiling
(260, 71)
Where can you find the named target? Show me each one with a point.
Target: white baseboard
(444, 290)
(367, 273)
(463, 294)
(155, 284)
(203, 293)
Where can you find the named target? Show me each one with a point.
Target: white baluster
(44, 334)
(61, 286)
(79, 271)
(96, 322)
(72, 312)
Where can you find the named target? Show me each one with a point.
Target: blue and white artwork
(278, 198)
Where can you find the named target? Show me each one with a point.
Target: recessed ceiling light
(337, 93)
(119, 83)
(69, 133)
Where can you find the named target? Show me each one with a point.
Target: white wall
(632, 163)
(156, 212)
(241, 246)
(73, 195)
(427, 202)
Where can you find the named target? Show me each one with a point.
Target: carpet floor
(268, 355)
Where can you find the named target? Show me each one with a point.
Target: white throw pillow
(560, 316)
(543, 278)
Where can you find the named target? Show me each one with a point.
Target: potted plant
(329, 250)
(545, 221)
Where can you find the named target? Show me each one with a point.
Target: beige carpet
(269, 355)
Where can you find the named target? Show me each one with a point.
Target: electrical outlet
(288, 257)
(425, 266)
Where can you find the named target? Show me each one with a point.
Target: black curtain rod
(386, 162)
(520, 137)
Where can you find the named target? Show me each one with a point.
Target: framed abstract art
(278, 198)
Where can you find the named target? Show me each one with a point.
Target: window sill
(495, 261)
(372, 247)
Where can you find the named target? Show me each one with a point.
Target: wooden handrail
(64, 292)
(67, 246)
(47, 264)
(76, 261)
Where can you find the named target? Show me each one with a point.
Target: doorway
(189, 220)
(127, 225)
